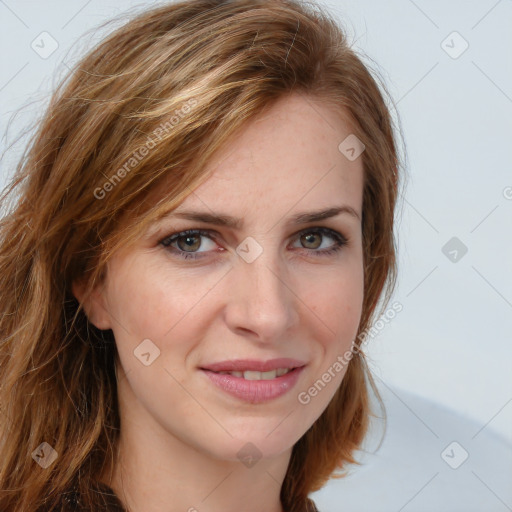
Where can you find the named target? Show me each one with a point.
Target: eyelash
(340, 241)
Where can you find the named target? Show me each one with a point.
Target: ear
(94, 305)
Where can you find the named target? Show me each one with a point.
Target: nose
(262, 301)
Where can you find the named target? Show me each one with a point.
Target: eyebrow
(236, 223)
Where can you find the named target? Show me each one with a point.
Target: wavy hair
(126, 120)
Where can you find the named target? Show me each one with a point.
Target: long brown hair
(178, 80)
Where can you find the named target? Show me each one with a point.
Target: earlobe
(93, 305)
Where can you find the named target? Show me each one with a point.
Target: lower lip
(255, 391)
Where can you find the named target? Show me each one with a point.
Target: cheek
(149, 302)
(337, 304)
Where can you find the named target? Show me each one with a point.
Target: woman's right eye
(188, 239)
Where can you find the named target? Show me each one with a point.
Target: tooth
(251, 375)
(254, 375)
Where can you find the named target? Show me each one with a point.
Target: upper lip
(253, 365)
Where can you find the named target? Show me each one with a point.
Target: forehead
(288, 155)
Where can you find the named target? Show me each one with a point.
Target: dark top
(71, 501)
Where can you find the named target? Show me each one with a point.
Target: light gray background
(444, 363)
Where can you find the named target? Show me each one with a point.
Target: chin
(268, 438)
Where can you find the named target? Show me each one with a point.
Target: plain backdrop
(448, 353)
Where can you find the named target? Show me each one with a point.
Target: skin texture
(179, 433)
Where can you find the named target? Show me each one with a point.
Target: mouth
(255, 375)
(255, 381)
(253, 369)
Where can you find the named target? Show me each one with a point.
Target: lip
(254, 391)
(240, 365)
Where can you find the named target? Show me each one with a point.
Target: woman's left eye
(189, 242)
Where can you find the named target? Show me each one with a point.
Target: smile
(255, 386)
(254, 375)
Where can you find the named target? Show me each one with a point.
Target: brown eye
(309, 241)
(313, 239)
(189, 242)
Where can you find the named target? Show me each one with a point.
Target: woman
(202, 231)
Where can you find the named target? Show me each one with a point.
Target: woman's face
(185, 306)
